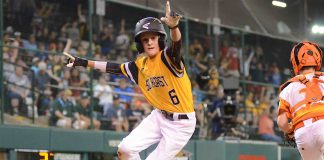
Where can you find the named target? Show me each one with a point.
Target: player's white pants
(171, 137)
(310, 140)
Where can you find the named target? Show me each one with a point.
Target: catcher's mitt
(290, 139)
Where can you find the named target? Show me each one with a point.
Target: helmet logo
(146, 25)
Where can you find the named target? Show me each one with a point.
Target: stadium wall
(55, 140)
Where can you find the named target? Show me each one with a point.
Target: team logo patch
(146, 25)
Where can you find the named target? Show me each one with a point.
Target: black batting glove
(77, 62)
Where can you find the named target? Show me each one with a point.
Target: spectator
(135, 114)
(30, 45)
(196, 48)
(213, 83)
(66, 78)
(42, 35)
(117, 115)
(83, 108)
(63, 112)
(215, 113)
(42, 55)
(19, 39)
(11, 51)
(247, 63)
(103, 92)
(224, 49)
(259, 54)
(107, 39)
(266, 125)
(56, 65)
(63, 36)
(44, 101)
(276, 76)
(202, 80)
(251, 109)
(76, 81)
(9, 57)
(82, 19)
(224, 67)
(260, 76)
(8, 67)
(124, 88)
(198, 94)
(234, 62)
(72, 31)
(201, 130)
(52, 37)
(122, 40)
(18, 91)
(42, 78)
(141, 101)
(81, 51)
(253, 68)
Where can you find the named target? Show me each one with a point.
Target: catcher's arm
(73, 61)
(285, 126)
(283, 122)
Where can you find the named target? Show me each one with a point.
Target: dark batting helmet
(149, 24)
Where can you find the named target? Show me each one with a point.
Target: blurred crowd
(39, 85)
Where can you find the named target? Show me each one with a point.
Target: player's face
(150, 42)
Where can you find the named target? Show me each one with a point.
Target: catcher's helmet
(305, 54)
(149, 24)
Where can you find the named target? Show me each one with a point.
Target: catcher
(301, 106)
(160, 73)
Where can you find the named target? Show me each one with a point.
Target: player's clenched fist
(171, 18)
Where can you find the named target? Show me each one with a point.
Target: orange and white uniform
(303, 104)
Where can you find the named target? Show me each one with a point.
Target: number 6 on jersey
(174, 97)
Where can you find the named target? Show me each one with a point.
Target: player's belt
(170, 116)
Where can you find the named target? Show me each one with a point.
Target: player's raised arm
(103, 66)
(172, 19)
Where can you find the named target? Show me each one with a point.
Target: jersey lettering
(154, 82)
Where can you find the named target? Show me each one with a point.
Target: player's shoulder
(290, 82)
(140, 60)
(289, 89)
(320, 75)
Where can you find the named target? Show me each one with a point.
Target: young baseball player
(301, 106)
(160, 73)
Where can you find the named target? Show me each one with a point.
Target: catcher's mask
(149, 24)
(305, 54)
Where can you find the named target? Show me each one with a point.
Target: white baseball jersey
(310, 137)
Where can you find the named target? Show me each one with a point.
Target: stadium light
(279, 3)
(316, 29)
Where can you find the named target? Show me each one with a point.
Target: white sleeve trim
(100, 65)
(129, 72)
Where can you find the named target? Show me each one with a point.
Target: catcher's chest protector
(312, 89)
(312, 105)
